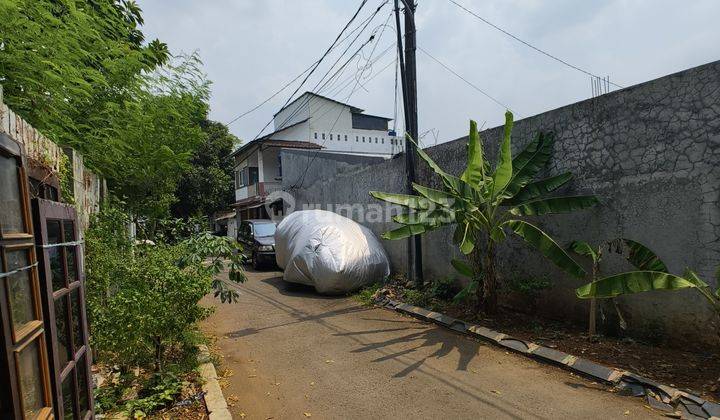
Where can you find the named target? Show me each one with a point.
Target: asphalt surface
(293, 354)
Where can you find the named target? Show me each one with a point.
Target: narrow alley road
(294, 354)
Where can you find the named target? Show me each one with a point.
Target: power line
(315, 66)
(338, 71)
(446, 67)
(272, 96)
(370, 63)
(362, 25)
(528, 44)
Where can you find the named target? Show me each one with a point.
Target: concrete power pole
(408, 71)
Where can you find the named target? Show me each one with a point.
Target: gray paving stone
(659, 405)
(593, 369)
(631, 389)
(550, 355)
(485, 332)
(515, 344)
(459, 326)
(712, 409)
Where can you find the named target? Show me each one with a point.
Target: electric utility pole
(408, 74)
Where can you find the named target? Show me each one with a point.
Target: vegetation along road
(291, 353)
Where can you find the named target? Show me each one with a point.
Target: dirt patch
(694, 372)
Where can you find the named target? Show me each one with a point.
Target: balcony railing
(259, 189)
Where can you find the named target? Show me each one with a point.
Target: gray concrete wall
(650, 152)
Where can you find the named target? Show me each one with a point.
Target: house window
(382, 140)
(330, 136)
(279, 166)
(375, 140)
(363, 139)
(356, 139)
(316, 135)
(323, 136)
(345, 137)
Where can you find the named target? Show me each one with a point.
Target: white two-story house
(311, 122)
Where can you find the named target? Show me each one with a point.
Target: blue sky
(251, 48)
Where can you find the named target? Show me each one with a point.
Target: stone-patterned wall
(88, 188)
(650, 152)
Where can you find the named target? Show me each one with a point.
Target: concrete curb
(659, 397)
(214, 400)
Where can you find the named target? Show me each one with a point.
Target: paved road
(294, 353)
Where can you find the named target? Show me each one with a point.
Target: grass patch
(365, 295)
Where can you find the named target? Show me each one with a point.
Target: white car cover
(328, 251)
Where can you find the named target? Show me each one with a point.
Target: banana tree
(484, 205)
(651, 277)
(636, 253)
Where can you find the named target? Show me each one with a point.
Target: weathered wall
(651, 152)
(88, 188)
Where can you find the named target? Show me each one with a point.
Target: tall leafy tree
(68, 66)
(206, 186)
(159, 130)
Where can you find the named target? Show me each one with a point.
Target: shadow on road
(428, 338)
(295, 289)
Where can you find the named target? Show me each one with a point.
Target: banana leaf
(474, 173)
(504, 169)
(434, 218)
(456, 186)
(538, 189)
(436, 196)
(531, 163)
(462, 267)
(463, 236)
(554, 205)
(583, 248)
(412, 201)
(406, 231)
(549, 248)
(632, 282)
(642, 257)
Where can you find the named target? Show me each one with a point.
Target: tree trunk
(592, 330)
(490, 280)
(158, 354)
(476, 262)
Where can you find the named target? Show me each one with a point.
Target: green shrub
(444, 288)
(417, 297)
(143, 300)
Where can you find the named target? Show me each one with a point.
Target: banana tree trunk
(592, 330)
(476, 262)
(490, 280)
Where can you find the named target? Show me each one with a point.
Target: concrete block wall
(650, 152)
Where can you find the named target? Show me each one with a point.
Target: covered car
(330, 252)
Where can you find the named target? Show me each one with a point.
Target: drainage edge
(658, 396)
(214, 400)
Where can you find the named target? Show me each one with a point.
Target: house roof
(267, 137)
(352, 108)
(374, 116)
(286, 144)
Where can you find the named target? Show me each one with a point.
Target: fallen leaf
(495, 391)
(307, 414)
(627, 412)
(329, 361)
(312, 383)
(243, 415)
(252, 376)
